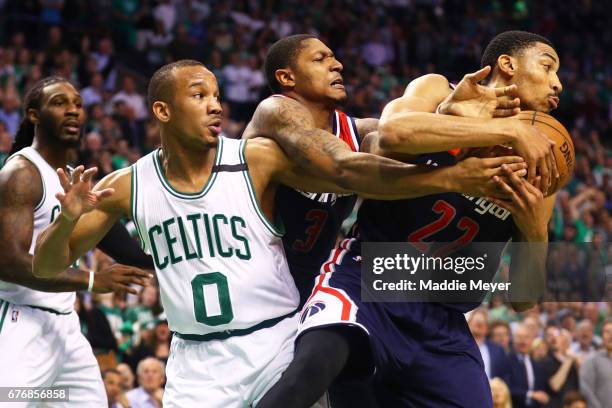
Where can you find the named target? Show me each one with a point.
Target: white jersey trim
(187, 196)
(277, 231)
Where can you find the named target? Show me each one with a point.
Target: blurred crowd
(110, 48)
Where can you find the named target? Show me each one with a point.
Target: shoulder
(16, 182)
(430, 82)
(263, 149)
(121, 182)
(282, 108)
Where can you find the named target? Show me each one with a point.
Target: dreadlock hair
(282, 55)
(510, 43)
(33, 99)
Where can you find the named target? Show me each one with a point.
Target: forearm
(374, 176)
(419, 132)
(119, 245)
(19, 271)
(52, 254)
(556, 381)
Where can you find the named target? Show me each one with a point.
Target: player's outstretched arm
(531, 212)
(326, 157)
(407, 125)
(472, 176)
(86, 216)
(19, 194)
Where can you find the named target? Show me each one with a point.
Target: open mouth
(337, 83)
(72, 127)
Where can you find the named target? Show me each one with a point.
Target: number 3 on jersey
(202, 313)
(318, 218)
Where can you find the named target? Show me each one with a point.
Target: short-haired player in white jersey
(203, 206)
(41, 344)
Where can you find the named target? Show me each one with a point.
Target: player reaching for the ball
(424, 353)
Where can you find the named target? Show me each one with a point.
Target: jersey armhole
(274, 228)
(134, 205)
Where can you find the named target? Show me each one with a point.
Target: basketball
(564, 149)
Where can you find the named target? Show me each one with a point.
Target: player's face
(536, 76)
(195, 110)
(61, 115)
(318, 74)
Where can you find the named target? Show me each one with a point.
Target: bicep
(286, 171)
(291, 125)
(18, 197)
(423, 94)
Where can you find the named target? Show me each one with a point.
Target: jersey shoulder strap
(345, 128)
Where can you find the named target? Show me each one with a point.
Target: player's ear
(161, 111)
(506, 65)
(285, 77)
(32, 115)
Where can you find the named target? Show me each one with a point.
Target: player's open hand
(120, 278)
(78, 197)
(474, 176)
(470, 99)
(538, 152)
(526, 204)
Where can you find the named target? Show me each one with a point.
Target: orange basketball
(564, 149)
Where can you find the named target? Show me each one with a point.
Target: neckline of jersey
(166, 183)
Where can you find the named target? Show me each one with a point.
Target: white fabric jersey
(219, 261)
(44, 213)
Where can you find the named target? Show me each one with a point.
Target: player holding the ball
(423, 353)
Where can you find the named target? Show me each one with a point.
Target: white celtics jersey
(44, 213)
(220, 263)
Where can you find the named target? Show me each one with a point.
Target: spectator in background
(6, 141)
(147, 309)
(127, 377)
(105, 62)
(94, 93)
(132, 98)
(493, 356)
(237, 79)
(574, 400)
(596, 372)
(560, 368)
(526, 380)
(112, 385)
(499, 333)
(585, 343)
(500, 393)
(151, 378)
(9, 113)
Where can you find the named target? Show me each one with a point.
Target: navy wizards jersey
(312, 220)
(439, 224)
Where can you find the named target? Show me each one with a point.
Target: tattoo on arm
(18, 197)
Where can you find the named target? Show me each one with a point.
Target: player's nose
(214, 107)
(556, 85)
(336, 66)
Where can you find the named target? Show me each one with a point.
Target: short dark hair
(161, 81)
(572, 396)
(110, 371)
(510, 43)
(282, 55)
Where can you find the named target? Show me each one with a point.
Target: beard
(56, 136)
